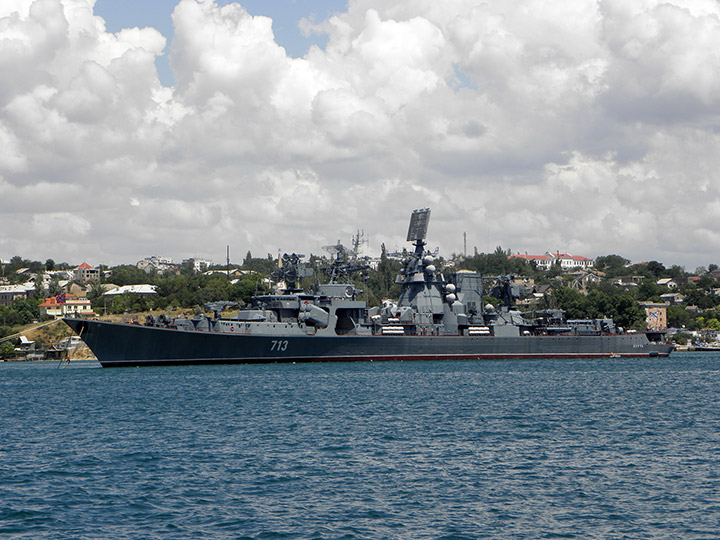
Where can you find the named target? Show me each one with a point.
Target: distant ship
(438, 316)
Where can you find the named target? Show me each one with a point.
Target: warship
(438, 316)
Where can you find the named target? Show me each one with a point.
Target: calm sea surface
(614, 448)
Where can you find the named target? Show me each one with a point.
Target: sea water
(615, 448)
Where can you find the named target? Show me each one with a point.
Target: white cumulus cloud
(586, 126)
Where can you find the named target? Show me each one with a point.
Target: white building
(565, 260)
(131, 289)
(10, 293)
(198, 265)
(64, 305)
(159, 264)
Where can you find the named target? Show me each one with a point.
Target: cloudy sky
(590, 127)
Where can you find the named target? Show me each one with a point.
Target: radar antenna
(419, 220)
(417, 232)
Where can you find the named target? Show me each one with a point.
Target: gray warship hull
(126, 345)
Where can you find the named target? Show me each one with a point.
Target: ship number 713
(279, 345)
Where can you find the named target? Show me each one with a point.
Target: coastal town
(641, 296)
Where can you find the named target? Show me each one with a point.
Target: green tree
(381, 283)
(649, 290)
(7, 349)
(612, 265)
(54, 287)
(130, 275)
(677, 317)
(656, 269)
(247, 287)
(130, 303)
(260, 265)
(713, 324)
(627, 313)
(677, 273)
(27, 310)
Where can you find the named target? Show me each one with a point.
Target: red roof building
(565, 260)
(85, 272)
(64, 305)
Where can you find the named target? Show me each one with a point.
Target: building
(85, 272)
(674, 299)
(10, 293)
(160, 265)
(64, 305)
(656, 317)
(131, 289)
(198, 265)
(565, 260)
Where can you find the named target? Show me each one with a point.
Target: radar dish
(418, 225)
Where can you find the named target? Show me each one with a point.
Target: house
(628, 281)
(157, 264)
(61, 277)
(672, 298)
(24, 345)
(85, 272)
(568, 261)
(64, 305)
(541, 261)
(565, 260)
(667, 282)
(131, 289)
(10, 293)
(234, 272)
(198, 265)
(582, 279)
(79, 291)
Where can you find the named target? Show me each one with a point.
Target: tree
(54, 287)
(677, 273)
(129, 275)
(649, 290)
(677, 317)
(22, 311)
(7, 349)
(656, 268)
(627, 312)
(611, 264)
(260, 265)
(49, 265)
(381, 283)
